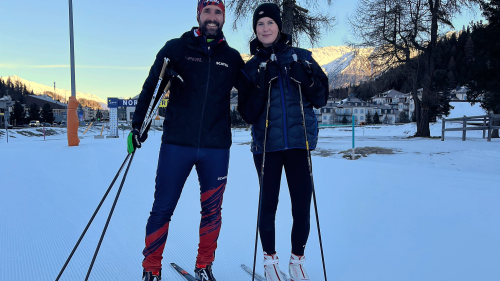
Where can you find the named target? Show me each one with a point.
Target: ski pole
(92, 218)
(109, 216)
(309, 162)
(167, 88)
(143, 129)
(153, 98)
(262, 67)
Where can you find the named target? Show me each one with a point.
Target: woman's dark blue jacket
(285, 118)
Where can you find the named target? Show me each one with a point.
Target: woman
(287, 73)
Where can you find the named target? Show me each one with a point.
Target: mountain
(39, 89)
(350, 68)
(343, 65)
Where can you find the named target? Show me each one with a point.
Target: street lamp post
(72, 115)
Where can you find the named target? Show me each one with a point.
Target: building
(459, 94)
(59, 109)
(6, 110)
(234, 103)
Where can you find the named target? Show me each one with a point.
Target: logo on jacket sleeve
(222, 64)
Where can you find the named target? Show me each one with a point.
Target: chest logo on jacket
(194, 59)
(222, 63)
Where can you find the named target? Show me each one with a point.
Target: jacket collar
(198, 41)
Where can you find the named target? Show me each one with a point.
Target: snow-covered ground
(430, 211)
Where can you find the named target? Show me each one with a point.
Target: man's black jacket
(198, 112)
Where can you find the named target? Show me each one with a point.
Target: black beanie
(270, 10)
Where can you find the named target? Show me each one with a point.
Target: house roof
(48, 99)
(391, 94)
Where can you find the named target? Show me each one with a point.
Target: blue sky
(115, 41)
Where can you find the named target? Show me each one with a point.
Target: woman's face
(267, 31)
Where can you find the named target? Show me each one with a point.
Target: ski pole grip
(165, 63)
(167, 88)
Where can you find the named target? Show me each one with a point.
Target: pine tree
(485, 85)
(469, 50)
(297, 21)
(19, 113)
(451, 80)
(369, 117)
(452, 65)
(403, 117)
(376, 118)
(47, 114)
(34, 112)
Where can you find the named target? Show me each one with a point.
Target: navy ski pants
(174, 166)
(299, 185)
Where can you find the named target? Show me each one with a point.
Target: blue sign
(112, 102)
(116, 102)
(127, 103)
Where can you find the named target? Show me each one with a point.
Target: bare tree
(405, 32)
(297, 21)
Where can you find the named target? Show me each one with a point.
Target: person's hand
(171, 75)
(272, 71)
(134, 140)
(267, 74)
(301, 73)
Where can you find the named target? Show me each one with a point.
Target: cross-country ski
(182, 272)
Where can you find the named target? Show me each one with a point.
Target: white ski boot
(271, 268)
(296, 268)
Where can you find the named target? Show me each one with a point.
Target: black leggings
(299, 184)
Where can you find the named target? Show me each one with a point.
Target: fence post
(442, 130)
(464, 132)
(484, 127)
(489, 126)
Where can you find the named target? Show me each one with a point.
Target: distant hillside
(343, 65)
(351, 68)
(85, 99)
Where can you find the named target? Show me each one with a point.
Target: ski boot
(296, 268)
(151, 276)
(271, 268)
(204, 274)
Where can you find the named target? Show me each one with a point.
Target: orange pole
(72, 122)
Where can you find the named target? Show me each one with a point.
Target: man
(196, 132)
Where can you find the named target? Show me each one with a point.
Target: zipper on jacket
(205, 100)
(284, 109)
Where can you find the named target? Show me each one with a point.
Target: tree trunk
(288, 6)
(423, 129)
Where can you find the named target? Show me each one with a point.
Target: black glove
(266, 75)
(171, 75)
(175, 79)
(301, 72)
(134, 140)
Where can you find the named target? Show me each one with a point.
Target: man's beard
(204, 29)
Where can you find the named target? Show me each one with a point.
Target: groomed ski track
(428, 212)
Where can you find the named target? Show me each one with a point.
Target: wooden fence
(483, 122)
